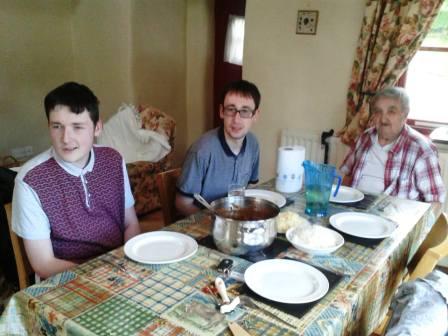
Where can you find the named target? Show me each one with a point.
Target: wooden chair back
(432, 250)
(166, 183)
(24, 269)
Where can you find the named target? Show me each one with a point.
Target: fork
(120, 266)
(248, 302)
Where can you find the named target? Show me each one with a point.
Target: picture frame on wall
(307, 22)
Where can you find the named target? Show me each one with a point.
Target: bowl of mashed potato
(314, 239)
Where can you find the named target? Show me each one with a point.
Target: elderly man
(225, 155)
(391, 157)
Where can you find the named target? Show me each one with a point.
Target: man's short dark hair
(77, 97)
(243, 88)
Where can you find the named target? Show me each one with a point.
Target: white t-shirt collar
(73, 169)
(385, 148)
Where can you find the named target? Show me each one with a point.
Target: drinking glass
(236, 190)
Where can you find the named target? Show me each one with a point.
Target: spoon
(202, 200)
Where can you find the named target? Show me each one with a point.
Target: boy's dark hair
(76, 96)
(243, 88)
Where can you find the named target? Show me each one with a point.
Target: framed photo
(307, 22)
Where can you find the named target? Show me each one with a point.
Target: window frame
(423, 126)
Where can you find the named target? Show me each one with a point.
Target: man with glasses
(225, 155)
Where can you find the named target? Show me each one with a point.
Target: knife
(237, 330)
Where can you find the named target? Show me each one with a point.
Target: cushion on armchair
(155, 120)
(142, 174)
(135, 141)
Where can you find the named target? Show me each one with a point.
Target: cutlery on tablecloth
(237, 330)
(248, 302)
(122, 268)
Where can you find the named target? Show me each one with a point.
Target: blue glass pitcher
(319, 179)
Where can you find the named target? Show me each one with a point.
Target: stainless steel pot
(243, 224)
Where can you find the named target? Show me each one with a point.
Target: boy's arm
(31, 223)
(185, 205)
(45, 264)
(347, 180)
(42, 259)
(132, 227)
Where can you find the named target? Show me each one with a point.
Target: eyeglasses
(231, 111)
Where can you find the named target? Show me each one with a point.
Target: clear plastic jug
(319, 179)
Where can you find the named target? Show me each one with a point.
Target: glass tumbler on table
(236, 190)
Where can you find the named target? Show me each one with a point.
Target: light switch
(307, 22)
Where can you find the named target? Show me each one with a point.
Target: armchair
(142, 174)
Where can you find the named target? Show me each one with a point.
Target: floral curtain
(391, 34)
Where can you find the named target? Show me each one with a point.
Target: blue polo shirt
(210, 166)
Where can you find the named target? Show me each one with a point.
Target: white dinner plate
(268, 195)
(363, 225)
(286, 281)
(160, 247)
(346, 195)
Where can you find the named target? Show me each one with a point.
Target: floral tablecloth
(100, 298)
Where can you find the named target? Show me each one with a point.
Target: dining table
(113, 294)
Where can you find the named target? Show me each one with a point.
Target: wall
(199, 74)
(172, 63)
(303, 79)
(159, 53)
(101, 37)
(127, 51)
(36, 55)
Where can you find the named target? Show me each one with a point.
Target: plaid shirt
(412, 168)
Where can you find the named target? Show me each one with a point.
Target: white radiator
(313, 149)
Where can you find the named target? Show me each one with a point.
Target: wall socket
(22, 152)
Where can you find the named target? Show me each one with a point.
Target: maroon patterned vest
(79, 232)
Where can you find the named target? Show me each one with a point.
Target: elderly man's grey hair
(395, 93)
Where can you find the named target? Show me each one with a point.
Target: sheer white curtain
(233, 51)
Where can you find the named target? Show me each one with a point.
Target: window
(426, 79)
(233, 52)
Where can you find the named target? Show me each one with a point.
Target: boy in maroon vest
(72, 202)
